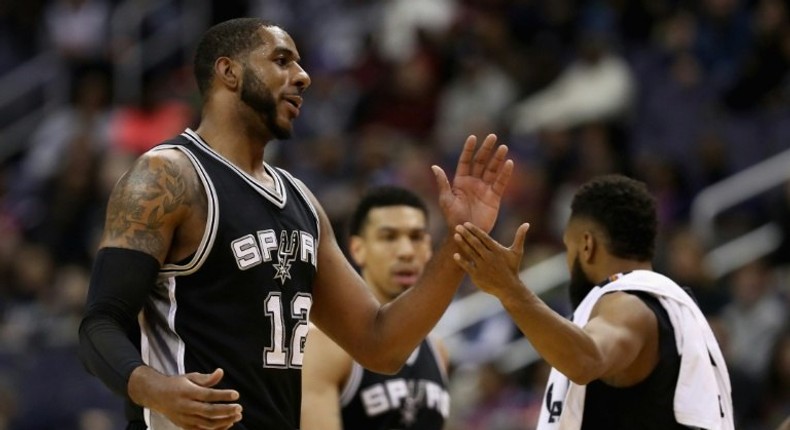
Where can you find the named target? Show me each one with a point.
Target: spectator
(598, 85)
(754, 318)
(476, 99)
(79, 29)
(685, 262)
(775, 409)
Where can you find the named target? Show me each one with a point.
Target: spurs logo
(264, 247)
(406, 396)
(286, 255)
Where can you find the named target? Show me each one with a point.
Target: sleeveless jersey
(243, 300)
(608, 407)
(414, 398)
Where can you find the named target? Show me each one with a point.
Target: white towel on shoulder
(702, 395)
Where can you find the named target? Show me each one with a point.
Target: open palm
(479, 183)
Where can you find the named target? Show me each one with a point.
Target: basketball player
(638, 354)
(225, 258)
(391, 245)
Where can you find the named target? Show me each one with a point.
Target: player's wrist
(141, 381)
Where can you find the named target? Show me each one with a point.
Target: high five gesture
(479, 183)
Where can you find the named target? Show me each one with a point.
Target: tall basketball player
(212, 261)
(390, 243)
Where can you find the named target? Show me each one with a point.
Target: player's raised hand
(493, 267)
(189, 401)
(479, 183)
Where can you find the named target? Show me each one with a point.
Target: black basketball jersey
(414, 398)
(242, 301)
(608, 407)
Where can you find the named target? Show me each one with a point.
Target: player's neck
(239, 145)
(615, 265)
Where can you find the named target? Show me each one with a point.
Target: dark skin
(159, 207)
(619, 343)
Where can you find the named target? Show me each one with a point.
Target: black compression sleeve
(109, 333)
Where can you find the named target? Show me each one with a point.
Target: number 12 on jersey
(279, 355)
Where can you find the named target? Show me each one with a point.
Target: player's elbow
(384, 367)
(391, 367)
(386, 362)
(584, 370)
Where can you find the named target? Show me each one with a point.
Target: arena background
(689, 96)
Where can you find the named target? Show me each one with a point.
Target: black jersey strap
(109, 333)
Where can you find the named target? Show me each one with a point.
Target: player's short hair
(231, 39)
(382, 196)
(624, 209)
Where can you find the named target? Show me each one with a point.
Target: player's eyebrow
(281, 50)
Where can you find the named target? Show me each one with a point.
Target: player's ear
(589, 247)
(356, 248)
(228, 72)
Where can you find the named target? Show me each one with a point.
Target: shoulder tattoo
(144, 200)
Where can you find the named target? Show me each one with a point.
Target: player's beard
(260, 99)
(580, 285)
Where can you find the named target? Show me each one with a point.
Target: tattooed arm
(151, 202)
(156, 214)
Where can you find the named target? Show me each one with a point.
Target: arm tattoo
(142, 200)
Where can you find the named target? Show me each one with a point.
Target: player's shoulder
(613, 300)
(171, 160)
(626, 309)
(166, 171)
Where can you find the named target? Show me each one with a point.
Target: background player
(390, 243)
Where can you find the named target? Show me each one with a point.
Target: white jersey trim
(438, 358)
(308, 202)
(278, 197)
(212, 219)
(155, 357)
(352, 384)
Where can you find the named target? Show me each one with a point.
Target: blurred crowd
(679, 94)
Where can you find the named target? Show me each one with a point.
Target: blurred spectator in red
(407, 99)
(158, 115)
